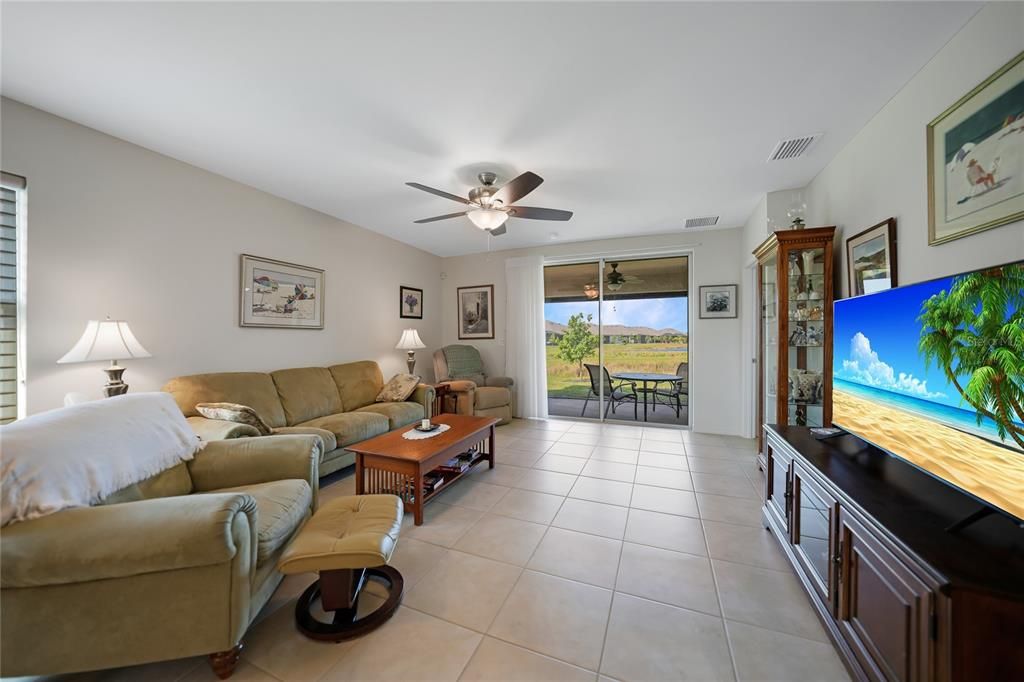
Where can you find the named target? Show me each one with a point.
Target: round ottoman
(346, 541)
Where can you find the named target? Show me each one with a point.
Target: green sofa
(335, 403)
(177, 565)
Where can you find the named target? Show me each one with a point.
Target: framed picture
(871, 259)
(476, 312)
(976, 158)
(281, 295)
(718, 300)
(410, 302)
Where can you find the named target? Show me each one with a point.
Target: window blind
(11, 203)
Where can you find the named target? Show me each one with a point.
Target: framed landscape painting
(410, 303)
(871, 259)
(281, 295)
(476, 312)
(976, 158)
(718, 300)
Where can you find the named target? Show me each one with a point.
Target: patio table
(647, 378)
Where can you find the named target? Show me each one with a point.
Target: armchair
(175, 566)
(472, 390)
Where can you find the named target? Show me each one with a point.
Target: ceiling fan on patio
(615, 279)
(490, 206)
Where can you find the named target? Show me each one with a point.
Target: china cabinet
(795, 329)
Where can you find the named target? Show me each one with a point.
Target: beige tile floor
(590, 552)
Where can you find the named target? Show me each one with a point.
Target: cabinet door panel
(884, 609)
(813, 534)
(778, 485)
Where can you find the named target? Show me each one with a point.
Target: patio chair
(676, 395)
(614, 394)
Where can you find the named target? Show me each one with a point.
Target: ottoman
(347, 541)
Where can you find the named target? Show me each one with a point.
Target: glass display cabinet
(795, 329)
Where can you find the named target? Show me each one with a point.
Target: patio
(571, 407)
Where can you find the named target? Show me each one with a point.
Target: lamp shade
(410, 340)
(105, 340)
(487, 218)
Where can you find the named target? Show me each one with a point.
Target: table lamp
(107, 340)
(410, 342)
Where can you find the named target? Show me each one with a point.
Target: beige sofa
(175, 566)
(335, 403)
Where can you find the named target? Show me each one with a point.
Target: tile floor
(589, 553)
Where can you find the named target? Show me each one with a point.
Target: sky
(876, 339)
(657, 313)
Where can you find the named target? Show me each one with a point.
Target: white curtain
(524, 335)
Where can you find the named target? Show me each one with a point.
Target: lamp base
(411, 361)
(115, 385)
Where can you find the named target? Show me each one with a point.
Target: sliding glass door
(617, 339)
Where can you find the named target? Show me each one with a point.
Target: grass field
(662, 358)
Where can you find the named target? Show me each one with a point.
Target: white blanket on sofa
(75, 456)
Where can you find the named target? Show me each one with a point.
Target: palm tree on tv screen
(976, 330)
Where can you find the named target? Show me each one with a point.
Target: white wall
(117, 229)
(882, 171)
(714, 344)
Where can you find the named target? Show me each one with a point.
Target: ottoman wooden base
(338, 591)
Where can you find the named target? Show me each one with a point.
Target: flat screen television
(933, 373)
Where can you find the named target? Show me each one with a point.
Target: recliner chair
(473, 391)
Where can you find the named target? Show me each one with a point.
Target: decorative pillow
(233, 412)
(398, 389)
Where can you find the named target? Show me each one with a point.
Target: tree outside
(578, 343)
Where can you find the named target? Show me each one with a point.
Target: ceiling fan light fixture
(614, 286)
(487, 218)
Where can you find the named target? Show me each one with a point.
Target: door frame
(601, 257)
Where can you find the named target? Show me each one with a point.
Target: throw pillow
(233, 412)
(398, 389)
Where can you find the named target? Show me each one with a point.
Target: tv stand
(906, 582)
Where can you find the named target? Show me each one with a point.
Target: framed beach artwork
(476, 312)
(871, 259)
(976, 158)
(718, 300)
(281, 295)
(410, 302)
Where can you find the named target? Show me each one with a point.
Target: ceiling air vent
(706, 221)
(794, 147)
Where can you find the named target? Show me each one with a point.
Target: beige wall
(116, 229)
(882, 171)
(714, 344)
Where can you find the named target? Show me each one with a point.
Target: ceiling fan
(613, 282)
(490, 206)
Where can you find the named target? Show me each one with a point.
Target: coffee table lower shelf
(395, 475)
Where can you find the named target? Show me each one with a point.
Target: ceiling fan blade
(518, 187)
(498, 231)
(438, 192)
(540, 213)
(439, 217)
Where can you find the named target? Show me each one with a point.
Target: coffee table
(391, 464)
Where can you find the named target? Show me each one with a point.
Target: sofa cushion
(351, 427)
(358, 382)
(398, 389)
(281, 508)
(233, 412)
(463, 361)
(330, 441)
(254, 389)
(306, 393)
(398, 414)
(491, 396)
(168, 483)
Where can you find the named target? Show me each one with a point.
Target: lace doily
(413, 434)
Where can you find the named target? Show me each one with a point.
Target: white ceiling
(637, 115)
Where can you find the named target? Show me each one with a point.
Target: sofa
(472, 391)
(336, 403)
(176, 565)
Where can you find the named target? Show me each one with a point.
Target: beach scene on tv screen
(934, 374)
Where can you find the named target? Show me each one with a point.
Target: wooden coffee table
(391, 464)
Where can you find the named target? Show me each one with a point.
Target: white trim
(624, 254)
(748, 352)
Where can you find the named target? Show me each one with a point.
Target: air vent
(794, 147)
(706, 221)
